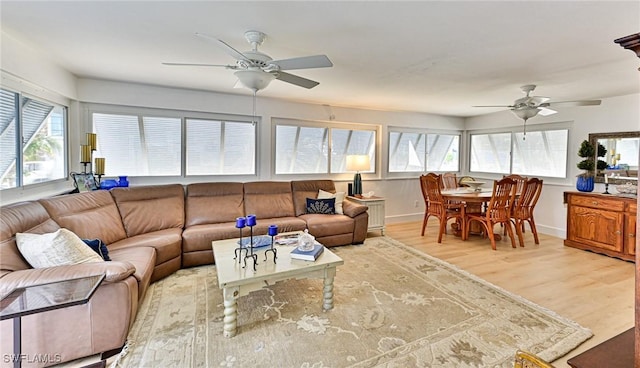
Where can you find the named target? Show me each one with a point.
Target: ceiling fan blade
(305, 62)
(294, 79)
(196, 64)
(508, 106)
(546, 112)
(576, 103)
(226, 48)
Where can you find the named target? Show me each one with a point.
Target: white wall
(616, 114)
(25, 68)
(401, 194)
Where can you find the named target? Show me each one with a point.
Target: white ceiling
(425, 56)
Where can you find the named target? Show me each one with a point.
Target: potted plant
(587, 151)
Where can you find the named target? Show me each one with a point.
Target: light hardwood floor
(593, 290)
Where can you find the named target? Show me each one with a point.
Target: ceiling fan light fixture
(526, 113)
(255, 80)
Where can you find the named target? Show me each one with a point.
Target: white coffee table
(236, 280)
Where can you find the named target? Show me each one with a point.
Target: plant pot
(585, 183)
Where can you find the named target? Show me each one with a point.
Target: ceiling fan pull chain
(255, 118)
(524, 134)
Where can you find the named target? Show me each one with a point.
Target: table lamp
(358, 163)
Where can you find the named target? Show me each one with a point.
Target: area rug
(393, 307)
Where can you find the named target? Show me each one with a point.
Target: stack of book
(310, 255)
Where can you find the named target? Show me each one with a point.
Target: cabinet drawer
(633, 208)
(595, 202)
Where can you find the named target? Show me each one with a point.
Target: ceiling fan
(530, 106)
(255, 70)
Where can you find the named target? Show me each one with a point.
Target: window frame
(513, 130)
(183, 115)
(426, 132)
(21, 144)
(345, 175)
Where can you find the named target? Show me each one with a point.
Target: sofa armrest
(114, 271)
(353, 209)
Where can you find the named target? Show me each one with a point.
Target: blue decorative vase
(585, 184)
(108, 184)
(123, 182)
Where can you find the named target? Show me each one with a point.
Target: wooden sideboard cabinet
(602, 223)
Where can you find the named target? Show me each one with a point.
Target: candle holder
(251, 222)
(606, 188)
(240, 224)
(273, 231)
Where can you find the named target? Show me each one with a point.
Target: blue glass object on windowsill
(123, 182)
(108, 184)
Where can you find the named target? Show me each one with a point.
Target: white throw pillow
(60, 248)
(339, 196)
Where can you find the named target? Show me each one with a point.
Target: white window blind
(138, 146)
(490, 153)
(40, 155)
(217, 147)
(419, 152)
(314, 148)
(543, 153)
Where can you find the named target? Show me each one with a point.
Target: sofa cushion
(22, 217)
(167, 243)
(339, 196)
(89, 215)
(303, 189)
(320, 225)
(213, 203)
(143, 260)
(325, 206)
(59, 248)
(146, 209)
(99, 247)
(269, 199)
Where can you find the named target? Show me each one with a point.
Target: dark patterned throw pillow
(326, 206)
(99, 247)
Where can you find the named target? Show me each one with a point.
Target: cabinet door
(631, 232)
(597, 228)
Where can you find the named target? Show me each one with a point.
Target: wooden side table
(376, 210)
(33, 299)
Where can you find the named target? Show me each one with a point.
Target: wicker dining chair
(440, 208)
(498, 210)
(520, 181)
(523, 209)
(449, 181)
(525, 359)
(425, 196)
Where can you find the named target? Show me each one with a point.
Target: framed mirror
(622, 155)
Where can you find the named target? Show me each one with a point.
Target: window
(411, 151)
(217, 147)
(39, 156)
(309, 148)
(542, 153)
(490, 153)
(152, 143)
(138, 145)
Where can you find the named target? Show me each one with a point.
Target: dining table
(475, 198)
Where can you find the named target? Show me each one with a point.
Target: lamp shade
(358, 163)
(526, 113)
(255, 80)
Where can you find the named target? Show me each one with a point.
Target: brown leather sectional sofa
(150, 231)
